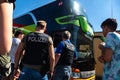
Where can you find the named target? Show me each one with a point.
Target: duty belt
(35, 67)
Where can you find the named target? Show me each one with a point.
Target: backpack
(5, 65)
(67, 55)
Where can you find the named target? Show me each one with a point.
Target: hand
(16, 73)
(50, 74)
(101, 45)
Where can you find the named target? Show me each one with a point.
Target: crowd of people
(35, 51)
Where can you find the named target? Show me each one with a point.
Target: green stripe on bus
(72, 21)
(27, 29)
(30, 27)
(84, 25)
(79, 21)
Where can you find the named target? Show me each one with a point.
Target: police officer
(38, 58)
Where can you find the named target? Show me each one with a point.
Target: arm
(19, 53)
(18, 56)
(101, 46)
(75, 55)
(52, 55)
(6, 10)
(52, 58)
(107, 54)
(58, 52)
(107, 48)
(52, 61)
(57, 57)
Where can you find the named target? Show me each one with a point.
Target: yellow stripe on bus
(91, 78)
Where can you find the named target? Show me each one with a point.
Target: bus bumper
(90, 78)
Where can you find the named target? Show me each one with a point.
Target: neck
(40, 31)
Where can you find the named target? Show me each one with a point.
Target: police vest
(36, 50)
(67, 54)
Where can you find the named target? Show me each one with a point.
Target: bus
(63, 15)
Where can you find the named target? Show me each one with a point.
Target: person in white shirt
(18, 35)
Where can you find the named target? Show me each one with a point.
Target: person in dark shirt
(64, 56)
(39, 58)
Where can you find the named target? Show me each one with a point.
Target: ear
(109, 30)
(106, 29)
(44, 28)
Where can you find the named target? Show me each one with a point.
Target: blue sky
(97, 10)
